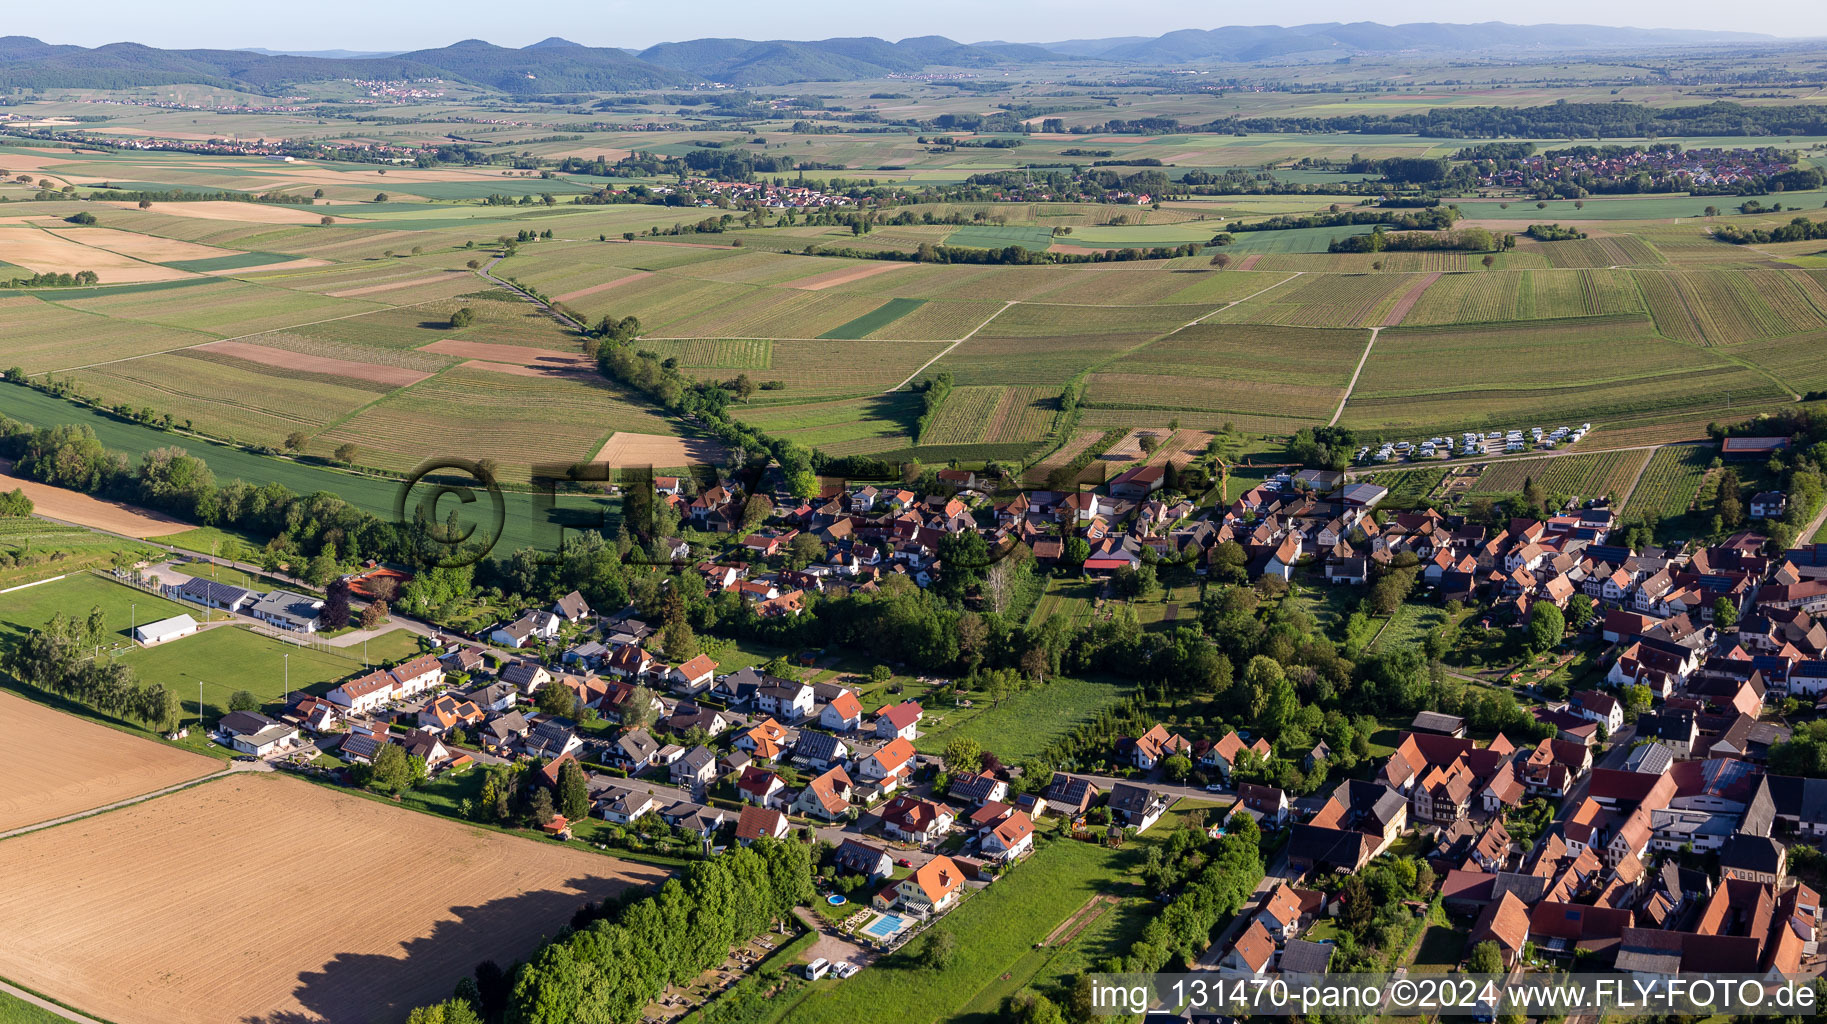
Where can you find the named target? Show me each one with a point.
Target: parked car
(903, 862)
(1216, 787)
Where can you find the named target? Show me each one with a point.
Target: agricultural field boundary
(1358, 471)
(910, 377)
(238, 337)
(46, 1005)
(1624, 499)
(232, 768)
(1235, 302)
(1365, 358)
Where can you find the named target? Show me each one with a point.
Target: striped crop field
(938, 321)
(878, 319)
(993, 415)
(1036, 361)
(230, 261)
(230, 309)
(987, 237)
(37, 336)
(1494, 297)
(1226, 286)
(1365, 262)
(1332, 300)
(756, 268)
(1714, 307)
(1407, 484)
(474, 411)
(1085, 285)
(1671, 481)
(846, 427)
(1469, 299)
(1047, 344)
(1799, 360)
(1121, 285)
(964, 417)
(1573, 369)
(1587, 476)
(228, 397)
(1037, 320)
(830, 368)
(1608, 251)
(1564, 293)
(715, 353)
(1023, 414)
(1235, 368)
(660, 300)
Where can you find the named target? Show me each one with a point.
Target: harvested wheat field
(658, 450)
(75, 507)
(45, 783)
(50, 253)
(246, 213)
(398, 376)
(260, 897)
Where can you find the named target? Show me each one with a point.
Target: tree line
(53, 280)
(623, 955)
(1429, 218)
(61, 658)
(933, 393)
(1800, 229)
(1462, 240)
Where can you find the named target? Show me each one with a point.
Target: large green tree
(1546, 626)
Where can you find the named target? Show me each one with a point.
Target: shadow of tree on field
(364, 988)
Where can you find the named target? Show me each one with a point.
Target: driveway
(1153, 781)
(1612, 758)
(831, 944)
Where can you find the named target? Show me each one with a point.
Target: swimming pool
(836, 900)
(885, 926)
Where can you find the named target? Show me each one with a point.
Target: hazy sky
(415, 24)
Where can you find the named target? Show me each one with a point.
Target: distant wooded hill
(559, 66)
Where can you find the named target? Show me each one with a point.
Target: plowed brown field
(264, 898)
(44, 782)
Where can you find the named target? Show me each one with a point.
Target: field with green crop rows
(1524, 295)
(228, 397)
(992, 415)
(1720, 308)
(986, 237)
(1610, 474)
(847, 427)
(1572, 370)
(1670, 481)
(37, 336)
(1348, 300)
(1406, 484)
(475, 412)
(1238, 368)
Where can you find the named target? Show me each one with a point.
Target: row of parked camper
(1472, 444)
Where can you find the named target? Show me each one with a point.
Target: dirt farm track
(263, 898)
(44, 782)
